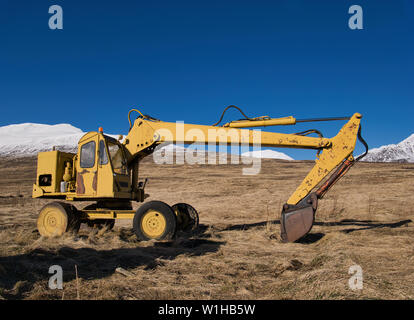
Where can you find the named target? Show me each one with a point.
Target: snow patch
(267, 154)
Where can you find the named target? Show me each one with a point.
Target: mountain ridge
(400, 152)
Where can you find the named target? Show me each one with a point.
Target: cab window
(117, 158)
(87, 155)
(103, 156)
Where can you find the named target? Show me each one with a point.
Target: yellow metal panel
(87, 137)
(124, 214)
(53, 163)
(37, 191)
(261, 123)
(343, 145)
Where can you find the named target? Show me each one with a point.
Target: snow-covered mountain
(27, 139)
(264, 154)
(267, 154)
(401, 152)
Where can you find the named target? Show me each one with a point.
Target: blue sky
(187, 60)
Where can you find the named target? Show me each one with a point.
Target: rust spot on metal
(80, 186)
(95, 180)
(340, 172)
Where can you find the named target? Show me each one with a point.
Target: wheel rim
(153, 224)
(52, 222)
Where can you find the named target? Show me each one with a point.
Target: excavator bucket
(297, 220)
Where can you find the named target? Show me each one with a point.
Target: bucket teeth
(297, 220)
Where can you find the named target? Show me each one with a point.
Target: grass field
(366, 220)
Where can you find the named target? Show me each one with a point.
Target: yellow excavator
(105, 170)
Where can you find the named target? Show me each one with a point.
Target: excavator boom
(299, 211)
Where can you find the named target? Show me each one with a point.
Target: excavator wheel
(56, 218)
(187, 217)
(155, 220)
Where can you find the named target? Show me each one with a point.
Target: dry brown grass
(236, 254)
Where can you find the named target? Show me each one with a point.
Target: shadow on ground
(33, 266)
(368, 224)
(360, 225)
(365, 224)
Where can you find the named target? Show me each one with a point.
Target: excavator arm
(299, 211)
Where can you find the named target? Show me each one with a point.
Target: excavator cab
(102, 169)
(99, 170)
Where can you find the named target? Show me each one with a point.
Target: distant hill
(267, 154)
(28, 139)
(400, 152)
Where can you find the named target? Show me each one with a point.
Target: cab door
(121, 178)
(105, 173)
(87, 169)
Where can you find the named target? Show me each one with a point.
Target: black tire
(74, 218)
(162, 214)
(187, 217)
